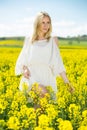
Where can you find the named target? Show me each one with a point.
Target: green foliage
(68, 42)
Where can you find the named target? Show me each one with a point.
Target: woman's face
(44, 25)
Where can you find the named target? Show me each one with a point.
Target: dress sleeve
(58, 65)
(22, 58)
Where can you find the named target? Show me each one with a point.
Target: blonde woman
(40, 60)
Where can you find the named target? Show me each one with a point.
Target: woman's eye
(45, 23)
(48, 22)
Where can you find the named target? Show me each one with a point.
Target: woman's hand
(26, 72)
(71, 89)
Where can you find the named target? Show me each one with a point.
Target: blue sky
(69, 17)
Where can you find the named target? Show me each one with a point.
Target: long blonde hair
(38, 19)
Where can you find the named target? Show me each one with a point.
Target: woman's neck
(41, 37)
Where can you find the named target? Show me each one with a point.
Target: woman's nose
(45, 25)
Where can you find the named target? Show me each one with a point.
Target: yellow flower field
(17, 108)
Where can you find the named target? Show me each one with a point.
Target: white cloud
(26, 20)
(20, 27)
(3, 26)
(24, 27)
(64, 23)
(69, 28)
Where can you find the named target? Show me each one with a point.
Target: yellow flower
(61, 102)
(25, 87)
(38, 128)
(65, 125)
(3, 105)
(51, 111)
(14, 105)
(43, 121)
(13, 123)
(17, 113)
(20, 98)
(49, 128)
(2, 123)
(74, 111)
(84, 114)
(43, 102)
(82, 128)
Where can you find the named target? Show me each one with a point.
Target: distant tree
(68, 37)
(2, 38)
(70, 42)
(78, 39)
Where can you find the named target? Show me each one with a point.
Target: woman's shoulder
(55, 38)
(26, 41)
(26, 38)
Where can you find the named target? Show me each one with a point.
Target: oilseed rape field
(69, 112)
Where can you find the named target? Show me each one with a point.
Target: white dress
(43, 60)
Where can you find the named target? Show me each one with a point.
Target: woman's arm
(67, 82)
(22, 58)
(64, 77)
(62, 71)
(56, 40)
(26, 72)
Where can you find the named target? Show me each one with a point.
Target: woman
(40, 60)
